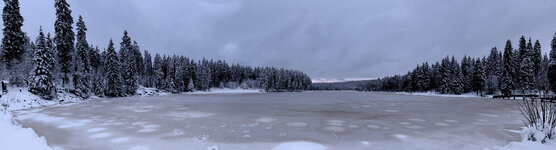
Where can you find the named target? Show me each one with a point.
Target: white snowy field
(279, 121)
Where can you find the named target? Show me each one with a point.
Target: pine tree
(537, 56)
(544, 84)
(13, 42)
(158, 72)
(458, 86)
(112, 69)
(82, 68)
(139, 65)
(129, 65)
(148, 73)
(552, 67)
(508, 73)
(478, 81)
(64, 37)
(40, 83)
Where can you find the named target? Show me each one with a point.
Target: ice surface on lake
(281, 121)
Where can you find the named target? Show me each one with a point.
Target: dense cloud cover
(328, 39)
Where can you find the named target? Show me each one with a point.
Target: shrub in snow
(540, 120)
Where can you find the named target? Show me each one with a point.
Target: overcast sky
(331, 40)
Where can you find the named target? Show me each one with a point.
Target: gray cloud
(328, 39)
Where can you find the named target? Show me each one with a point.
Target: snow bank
(145, 91)
(21, 98)
(14, 137)
(466, 95)
(299, 145)
(525, 145)
(226, 91)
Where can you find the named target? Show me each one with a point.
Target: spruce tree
(478, 81)
(508, 73)
(13, 42)
(148, 73)
(139, 65)
(112, 71)
(64, 37)
(537, 57)
(158, 72)
(552, 66)
(526, 69)
(82, 68)
(129, 65)
(40, 82)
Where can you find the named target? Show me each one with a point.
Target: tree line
(68, 62)
(523, 70)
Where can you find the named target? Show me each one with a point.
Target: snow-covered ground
(465, 95)
(14, 137)
(226, 91)
(529, 145)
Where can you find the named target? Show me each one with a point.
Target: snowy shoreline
(465, 95)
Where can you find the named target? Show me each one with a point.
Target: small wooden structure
(549, 99)
(514, 96)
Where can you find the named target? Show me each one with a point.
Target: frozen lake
(306, 120)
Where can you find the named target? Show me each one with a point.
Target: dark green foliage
(13, 42)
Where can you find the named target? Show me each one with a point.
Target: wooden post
(4, 88)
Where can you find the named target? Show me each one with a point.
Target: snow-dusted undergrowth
(540, 130)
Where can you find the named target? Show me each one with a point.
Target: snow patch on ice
(299, 145)
(391, 110)
(71, 125)
(442, 124)
(335, 122)
(296, 124)
(266, 119)
(417, 119)
(100, 135)
(414, 127)
(139, 147)
(451, 121)
(400, 136)
(96, 129)
(187, 115)
(334, 129)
